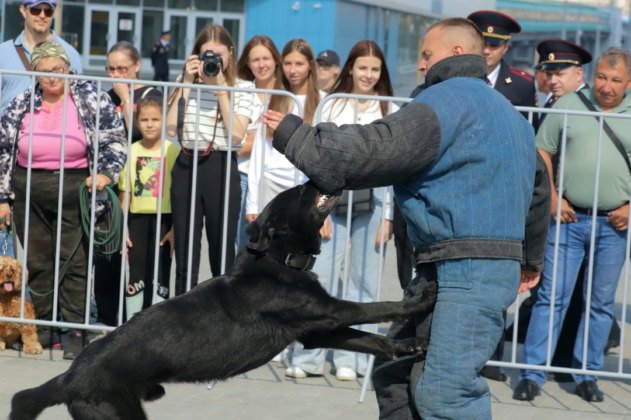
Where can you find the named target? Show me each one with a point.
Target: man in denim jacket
(463, 163)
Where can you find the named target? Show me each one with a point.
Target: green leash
(108, 234)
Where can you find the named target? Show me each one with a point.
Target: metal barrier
(514, 360)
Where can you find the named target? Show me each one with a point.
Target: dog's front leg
(364, 342)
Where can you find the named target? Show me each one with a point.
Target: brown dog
(10, 303)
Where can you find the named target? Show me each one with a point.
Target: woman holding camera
(207, 117)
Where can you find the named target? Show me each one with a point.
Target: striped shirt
(206, 113)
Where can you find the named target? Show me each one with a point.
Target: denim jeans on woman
(363, 279)
(609, 258)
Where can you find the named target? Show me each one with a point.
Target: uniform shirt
(144, 177)
(581, 152)
(12, 84)
(210, 128)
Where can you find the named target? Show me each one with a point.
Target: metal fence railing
(513, 358)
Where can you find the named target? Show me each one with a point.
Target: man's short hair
(614, 56)
(467, 29)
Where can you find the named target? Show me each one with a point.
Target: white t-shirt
(342, 111)
(209, 127)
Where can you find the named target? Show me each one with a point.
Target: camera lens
(211, 68)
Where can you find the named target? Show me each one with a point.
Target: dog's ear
(260, 238)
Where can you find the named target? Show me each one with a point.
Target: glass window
(180, 4)
(99, 20)
(151, 28)
(179, 50)
(206, 5)
(101, 1)
(233, 6)
(14, 22)
(128, 2)
(153, 3)
(72, 18)
(126, 27)
(232, 26)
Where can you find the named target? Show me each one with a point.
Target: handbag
(362, 202)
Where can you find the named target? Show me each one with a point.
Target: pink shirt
(46, 146)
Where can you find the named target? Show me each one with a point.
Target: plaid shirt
(109, 138)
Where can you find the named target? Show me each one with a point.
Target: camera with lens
(211, 63)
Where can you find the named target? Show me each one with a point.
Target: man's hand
(101, 182)
(619, 218)
(529, 279)
(568, 215)
(169, 238)
(325, 230)
(250, 217)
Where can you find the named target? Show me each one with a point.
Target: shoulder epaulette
(520, 73)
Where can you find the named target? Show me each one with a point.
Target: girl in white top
(208, 116)
(260, 62)
(364, 73)
(270, 172)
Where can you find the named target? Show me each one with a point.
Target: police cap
(495, 26)
(557, 54)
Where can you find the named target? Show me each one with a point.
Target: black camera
(212, 63)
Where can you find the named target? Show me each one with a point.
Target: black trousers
(41, 243)
(208, 203)
(142, 232)
(404, 248)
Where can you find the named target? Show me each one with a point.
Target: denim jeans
(7, 247)
(242, 237)
(362, 285)
(467, 323)
(609, 258)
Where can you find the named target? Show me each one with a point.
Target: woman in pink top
(59, 135)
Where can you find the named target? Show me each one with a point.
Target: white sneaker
(295, 372)
(280, 357)
(345, 374)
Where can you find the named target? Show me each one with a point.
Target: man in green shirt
(579, 174)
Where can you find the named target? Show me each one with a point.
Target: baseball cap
(32, 3)
(328, 58)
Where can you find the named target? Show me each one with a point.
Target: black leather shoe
(526, 390)
(493, 373)
(589, 391)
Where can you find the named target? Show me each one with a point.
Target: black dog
(228, 325)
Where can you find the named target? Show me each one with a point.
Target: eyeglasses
(56, 70)
(119, 69)
(37, 11)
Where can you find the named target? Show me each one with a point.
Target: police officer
(160, 57)
(515, 84)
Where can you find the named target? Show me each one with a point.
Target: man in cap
(328, 68)
(160, 57)
(16, 53)
(580, 211)
(562, 61)
(515, 84)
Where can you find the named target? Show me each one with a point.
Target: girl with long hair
(364, 73)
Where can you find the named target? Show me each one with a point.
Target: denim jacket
(108, 137)
(461, 158)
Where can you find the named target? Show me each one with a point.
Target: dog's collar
(292, 260)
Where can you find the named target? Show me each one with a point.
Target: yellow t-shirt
(144, 179)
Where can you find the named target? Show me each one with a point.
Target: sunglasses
(114, 69)
(37, 11)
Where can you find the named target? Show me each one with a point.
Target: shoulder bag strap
(20, 50)
(614, 138)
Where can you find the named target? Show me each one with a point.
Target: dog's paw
(408, 347)
(35, 348)
(423, 299)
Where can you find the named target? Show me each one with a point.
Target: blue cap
(32, 3)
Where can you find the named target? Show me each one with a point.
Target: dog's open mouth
(7, 286)
(327, 202)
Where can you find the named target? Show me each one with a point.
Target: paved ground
(265, 394)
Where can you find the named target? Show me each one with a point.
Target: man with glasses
(16, 53)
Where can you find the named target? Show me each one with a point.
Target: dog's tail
(27, 404)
